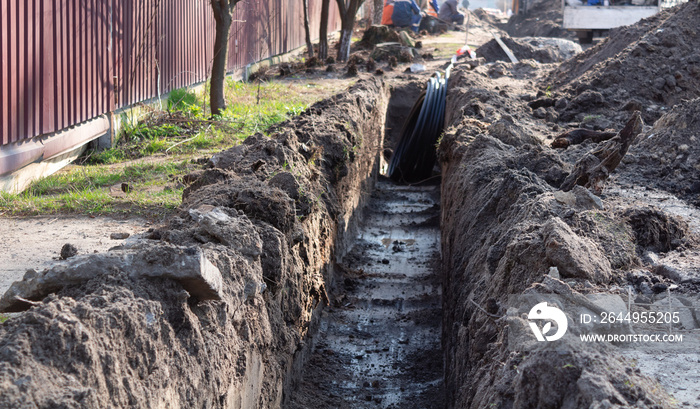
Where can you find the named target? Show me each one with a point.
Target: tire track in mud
(379, 342)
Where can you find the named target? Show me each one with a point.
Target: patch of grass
(107, 156)
(182, 132)
(446, 50)
(589, 118)
(3, 318)
(182, 99)
(97, 190)
(155, 146)
(188, 126)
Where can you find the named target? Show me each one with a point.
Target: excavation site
(454, 228)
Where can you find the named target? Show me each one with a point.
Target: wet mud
(379, 342)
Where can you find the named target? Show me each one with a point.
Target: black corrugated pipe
(414, 157)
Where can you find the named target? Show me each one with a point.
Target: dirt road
(36, 242)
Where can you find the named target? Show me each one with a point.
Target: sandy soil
(35, 243)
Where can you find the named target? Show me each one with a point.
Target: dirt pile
(267, 215)
(505, 239)
(482, 20)
(649, 66)
(379, 34)
(543, 19)
(539, 49)
(483, 17)
(667, 155)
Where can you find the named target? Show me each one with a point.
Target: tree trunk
(378, 9)
(348, 11)
(223, 16)
(307, 32)
(345, 43)
(323, 32)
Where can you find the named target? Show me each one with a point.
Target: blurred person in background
(449, 12)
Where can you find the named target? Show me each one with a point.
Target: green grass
(97, 190)
(446, 50)
(188, 127)
(184, 132)
(182, 99)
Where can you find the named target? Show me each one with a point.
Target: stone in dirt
(188, 265)
(574, 256)
(67, 251)
(542, 50)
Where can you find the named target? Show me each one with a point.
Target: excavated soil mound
(649, 66)
(655, 230)
(505, 224)
(530, 48)
(379, 34)
(267, 215)
(668, 155)
(543, 19)
(480, 16)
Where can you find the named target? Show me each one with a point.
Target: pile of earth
(649, 66)
(263, 220)
(541, 49)
(378, 34)
(668, 155)
(542, 19)
(516, 225)
(481, 17)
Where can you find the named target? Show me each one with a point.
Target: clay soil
(641, 233)
(543, 19)
(353, 312)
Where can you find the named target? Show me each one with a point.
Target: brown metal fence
(67, 61)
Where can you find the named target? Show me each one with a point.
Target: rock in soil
(67, 251)
(539, 49)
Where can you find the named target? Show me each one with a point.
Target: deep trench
(378, 343)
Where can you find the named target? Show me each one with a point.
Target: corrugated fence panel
(67, 61)
(4, 72)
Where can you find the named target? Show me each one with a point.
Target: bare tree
(377, 13)
(348, 11)
(223, 15)
(323, 31)
(309, 44)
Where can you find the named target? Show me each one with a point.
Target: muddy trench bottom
(379, 341)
